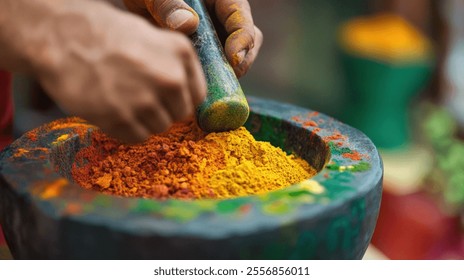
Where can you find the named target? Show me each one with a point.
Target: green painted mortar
(330, 216)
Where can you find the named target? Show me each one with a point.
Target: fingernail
(241, 56)
(177, 18)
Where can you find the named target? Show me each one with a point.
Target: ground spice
(354, 155)
(335, 136)
(307, 122)
(186, 163)
(253, 167)
(385, 36)
(32, 135)
(79, 126)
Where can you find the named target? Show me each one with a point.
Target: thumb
(174, 14)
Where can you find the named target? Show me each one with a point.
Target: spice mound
(186, 163)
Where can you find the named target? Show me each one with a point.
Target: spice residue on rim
(187, 163)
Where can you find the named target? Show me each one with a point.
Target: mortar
(330, 216)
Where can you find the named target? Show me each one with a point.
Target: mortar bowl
(45, 215)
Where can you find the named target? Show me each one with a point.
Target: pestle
(225, 107)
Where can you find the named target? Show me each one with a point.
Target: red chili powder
(297, 119)
(313, 114)
(354, 155)
(310, 123)
(173, 156)
(32, 135)
(335, 136)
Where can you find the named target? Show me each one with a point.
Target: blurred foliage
(440, 131)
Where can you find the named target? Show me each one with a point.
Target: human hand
(118, 72)
(243, 41)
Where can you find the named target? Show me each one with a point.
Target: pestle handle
(225, 107)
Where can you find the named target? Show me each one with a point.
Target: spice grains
(186, 163)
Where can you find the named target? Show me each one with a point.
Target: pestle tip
(223, 115)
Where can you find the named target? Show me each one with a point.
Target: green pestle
(225, 107)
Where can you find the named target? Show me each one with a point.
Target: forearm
(36, 34)
(23, 32)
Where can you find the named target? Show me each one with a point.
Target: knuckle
(143, 107)
(175, 82)
(165, 6)
(158, 7)
(144, 103)
(258, 35)
(240, 39)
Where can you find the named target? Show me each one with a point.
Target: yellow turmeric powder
(386, 36)
(186, 163)
(252, 167)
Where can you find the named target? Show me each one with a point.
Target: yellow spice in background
(386, 37)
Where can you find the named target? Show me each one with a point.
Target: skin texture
(110, 67)
(243, 40)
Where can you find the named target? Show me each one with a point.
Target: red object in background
(6, 119)
(413, 227)
(2, 238)
(6, 109)
(451, 251)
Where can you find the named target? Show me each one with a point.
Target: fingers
(182, 87)
(173, 14)
(142, 91)
(137, 6)
(197, 81)
(135, 121)
(177, 101)
(128, 133)
(236, 17)
(242, 69)
(154, 117)
(178, 90)
(193, 76)
(244, 39)
(194, 72)
(125, 126)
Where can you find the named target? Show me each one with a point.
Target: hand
(119, 72)
(243, 41)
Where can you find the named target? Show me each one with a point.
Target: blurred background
(392, 69)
